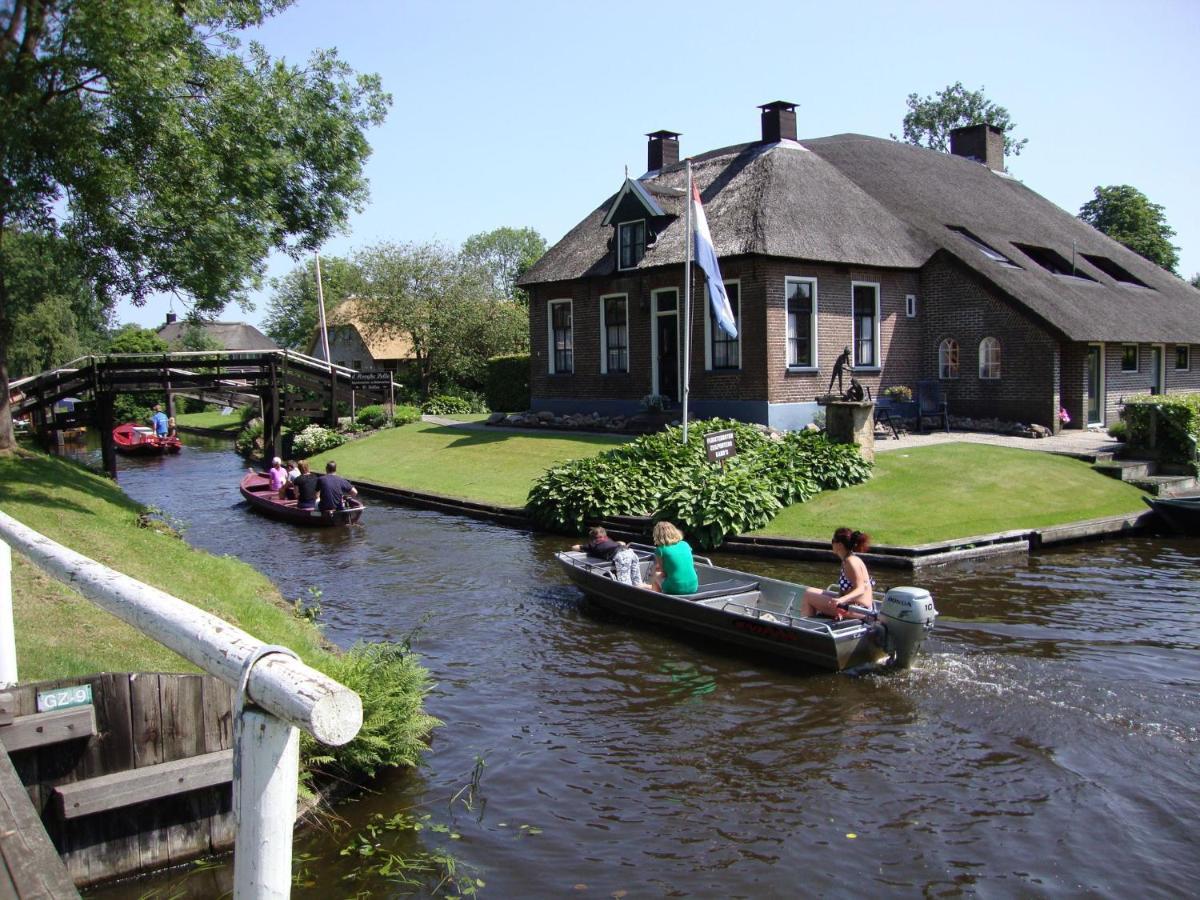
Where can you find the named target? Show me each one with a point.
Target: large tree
(292, 316)
(1125, 214)
(930, 120)
(445, 305)
(1196, 280)
(506, 253)
(170, 157)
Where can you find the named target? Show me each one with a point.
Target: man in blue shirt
(159, 421)
(333, 489)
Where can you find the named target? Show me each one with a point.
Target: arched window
(948, 358)
(989, 358)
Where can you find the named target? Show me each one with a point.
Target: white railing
(278, 695)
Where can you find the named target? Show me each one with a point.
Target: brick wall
(1120, 384)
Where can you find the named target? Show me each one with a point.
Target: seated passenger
(624, 560)
(854, 582)
(306, 487)
(674, 568)
(333, 489)
(278, 476)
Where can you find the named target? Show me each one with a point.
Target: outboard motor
(906, 616)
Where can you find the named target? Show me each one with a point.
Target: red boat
(256, 488)
(138, 440)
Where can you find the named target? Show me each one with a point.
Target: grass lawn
(211, 419)
(61, 634)
(959, 490)
(486, 466)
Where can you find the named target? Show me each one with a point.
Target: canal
(1045, 744)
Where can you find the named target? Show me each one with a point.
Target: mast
(321, 313)
(687, 302)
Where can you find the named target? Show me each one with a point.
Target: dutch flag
(706, 257)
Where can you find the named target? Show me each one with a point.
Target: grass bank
(959, 490)
(496, 467)
(211, 419)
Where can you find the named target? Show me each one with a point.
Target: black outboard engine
(906, 615)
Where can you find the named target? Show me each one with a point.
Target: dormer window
(631, 244)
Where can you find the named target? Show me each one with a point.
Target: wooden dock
(32, 867)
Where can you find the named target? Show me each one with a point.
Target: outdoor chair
(884, 412)
(931, 404)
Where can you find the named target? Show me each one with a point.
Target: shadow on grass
(473, 436)
(19, 473)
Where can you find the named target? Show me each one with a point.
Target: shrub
(720, 502)
(315, 439)
(1170, 423)
(1117, 430)
(451, 405)
(248, 413)
(898, 392)
(247, 440)
(507, 382)
(405, 414)
(374, 416)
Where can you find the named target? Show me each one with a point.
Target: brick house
(925, 264)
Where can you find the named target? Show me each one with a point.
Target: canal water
(1045, 744)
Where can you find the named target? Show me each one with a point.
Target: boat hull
(759, 621)
(132, 439)
(1180, 513)
(256, 489)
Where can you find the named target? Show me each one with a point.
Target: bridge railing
(277, 694)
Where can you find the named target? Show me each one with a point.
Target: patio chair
(931, 404)
(884, 410)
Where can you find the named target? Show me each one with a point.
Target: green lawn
(211, 419)
(486, 466)
(960, 490)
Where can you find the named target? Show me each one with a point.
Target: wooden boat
(138, 440)
(256, 488)
(1180, 513)
(762, 614)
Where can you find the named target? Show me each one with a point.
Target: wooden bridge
(284, 383)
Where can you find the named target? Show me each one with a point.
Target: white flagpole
(687, 302)
(321, 312)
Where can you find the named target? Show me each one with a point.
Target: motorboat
(761, 614)
(1180, 513)
(139, 440)
(256, 488)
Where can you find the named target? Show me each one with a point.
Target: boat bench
(714, 589)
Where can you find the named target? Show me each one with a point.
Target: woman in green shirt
(674, 569)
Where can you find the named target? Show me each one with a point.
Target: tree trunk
(7, 441)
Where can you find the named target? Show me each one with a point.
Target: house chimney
(778, 122)
(170, 318)
(983, 143)
(662, 151)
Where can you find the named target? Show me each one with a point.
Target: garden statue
(840, 365)
(855, 393)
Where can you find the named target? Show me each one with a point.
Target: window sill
(857, 369)
(802, 370)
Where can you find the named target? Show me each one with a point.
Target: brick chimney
(778, 121)
(171, 318)
(662, 150)
(983, 143)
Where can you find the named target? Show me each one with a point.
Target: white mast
(687, 301)
(321, 312)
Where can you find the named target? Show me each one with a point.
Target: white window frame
(620, 227)
(958, 366)
(1137, 358)
(813, 319)
(983, 361)
(654, 317)
(1102, 400)
(1186, 348)
(910, 305)
(709, 327)
(1162, 367)
(604, 333)
(550, 304)
(878, 365)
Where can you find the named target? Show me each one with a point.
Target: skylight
(983, 247)
(1113, 270)
(1053, 261)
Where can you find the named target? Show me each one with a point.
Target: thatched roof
(230, 335)
(348, 313)
(859, 200)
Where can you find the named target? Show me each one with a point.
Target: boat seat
(724, 588)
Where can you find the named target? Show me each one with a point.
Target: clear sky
(527, 113)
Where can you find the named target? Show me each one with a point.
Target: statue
(840, 365)
(855, 394)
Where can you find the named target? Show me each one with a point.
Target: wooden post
(267, 765)
(104, 415)
(333, 416)
(8, 641)
(272, 439)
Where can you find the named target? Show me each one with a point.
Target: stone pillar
(851, 422)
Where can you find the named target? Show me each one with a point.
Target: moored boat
(1180, 513)
(762, 614)
(256, 488)
(138, 440)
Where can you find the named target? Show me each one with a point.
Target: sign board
(720, 445)
(64, 698)
(362, 379)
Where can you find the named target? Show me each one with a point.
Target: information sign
(63, 698)
(720, 445)
(359, 379)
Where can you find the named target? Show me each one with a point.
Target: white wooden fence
(278, 695)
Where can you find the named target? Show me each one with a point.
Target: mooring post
(267, 765)
(8, 635)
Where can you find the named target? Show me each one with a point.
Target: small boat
(1180, 513)
(256, 488)
(761, 614)
(138, 440)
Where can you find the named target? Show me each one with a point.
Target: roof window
(1052, 261)
(983, 247)
(1113, 270)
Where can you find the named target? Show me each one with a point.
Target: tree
(292, 310)
(506, 254)
(130, 338)
(170, 158)
(445, 305)
(1126, 215)
(1196, 280)
(196, 338)
(929, 121)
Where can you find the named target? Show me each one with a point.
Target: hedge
(507, 383)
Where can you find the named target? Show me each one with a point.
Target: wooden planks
(105, 792)
(42, 729)
(31, 864)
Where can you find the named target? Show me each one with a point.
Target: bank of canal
(1045, 744)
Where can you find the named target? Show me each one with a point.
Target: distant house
(353, 345)
(228, 335)
(927, 265)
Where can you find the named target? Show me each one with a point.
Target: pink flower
(1064, 416)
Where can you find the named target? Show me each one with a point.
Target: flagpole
(321, 313)
(687, 302)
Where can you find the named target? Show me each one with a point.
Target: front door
(1095, 385)
(1157, 356)
(667, 362)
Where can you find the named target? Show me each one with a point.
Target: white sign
(78, 695)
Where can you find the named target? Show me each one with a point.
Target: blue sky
(527, 113)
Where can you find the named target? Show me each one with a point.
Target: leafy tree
(130, 338)
(1196, 280)
(1126, 215)
(929, 120)
(292, 310)
(196, 337)
(444, 305)
(171, 159)
(506, 254)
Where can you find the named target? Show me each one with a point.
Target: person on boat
(159, 421)
(293, 470)
(305, 486)
(624, 560)
(333, 489)
(171, 430)
(855, 587)
(674, 568)
(278, 475)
